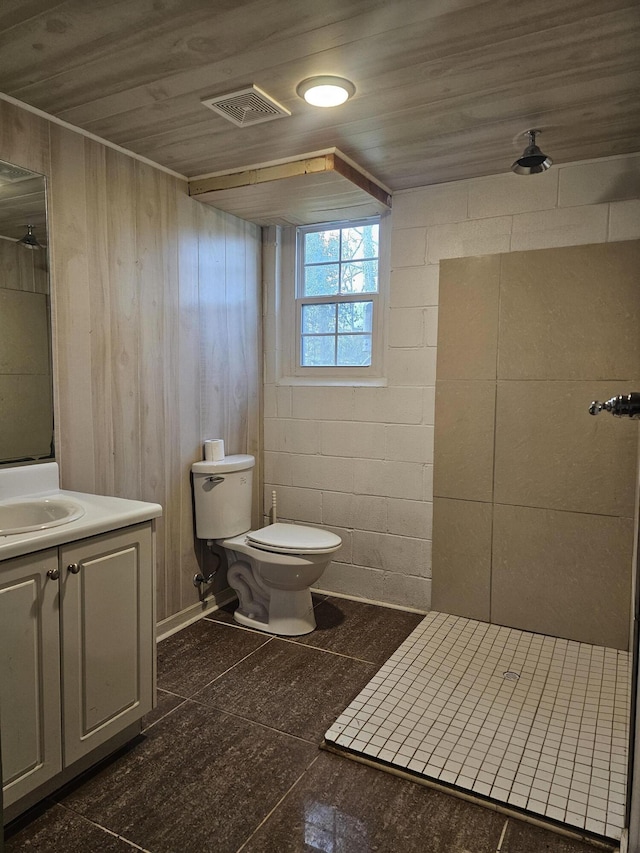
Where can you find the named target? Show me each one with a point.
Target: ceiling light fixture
(533, 161)
(29, 241)
(325, 90)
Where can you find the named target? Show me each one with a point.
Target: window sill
(353, 382)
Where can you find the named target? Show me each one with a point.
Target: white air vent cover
(10, 174)
(247, 106)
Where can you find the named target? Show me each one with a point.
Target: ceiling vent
(10, 174)
(247, 106)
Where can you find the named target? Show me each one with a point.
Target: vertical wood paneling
(214, 353)
(156, 329)
(152, 251)
(71, 304)
(24, 139)
(187, 400)
(125, 322)
(98, 283)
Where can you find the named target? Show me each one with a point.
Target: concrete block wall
(359, 460)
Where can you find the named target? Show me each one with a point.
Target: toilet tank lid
(239, 462)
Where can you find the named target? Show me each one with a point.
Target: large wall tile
(468, 318)
(461, 558)
(551, 571)
(550, 452)
(570, 313)
(465, 417)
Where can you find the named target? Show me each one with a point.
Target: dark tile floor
(229, 760)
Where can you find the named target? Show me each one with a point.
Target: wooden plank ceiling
(444, 88)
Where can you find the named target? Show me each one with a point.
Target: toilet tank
(222, 495)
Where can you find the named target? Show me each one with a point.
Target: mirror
(26, 386)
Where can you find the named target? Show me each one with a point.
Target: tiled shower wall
(534, 499)
(359, 460)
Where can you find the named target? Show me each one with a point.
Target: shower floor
(536, 722)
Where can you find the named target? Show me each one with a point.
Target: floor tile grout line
(167, 714)
(254, 722)
(104, 828)
(296, 642)
(277, 805)
(228, 669)
(327, 651)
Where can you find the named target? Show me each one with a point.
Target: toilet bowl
(270, 569)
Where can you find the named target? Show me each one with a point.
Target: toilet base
(290, 614)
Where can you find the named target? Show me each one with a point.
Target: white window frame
(289, 310)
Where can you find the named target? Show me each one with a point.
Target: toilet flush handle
(211, 482)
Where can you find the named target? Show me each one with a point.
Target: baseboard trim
(178, 621)
(368, 601)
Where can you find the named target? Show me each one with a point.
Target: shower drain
(510, 676)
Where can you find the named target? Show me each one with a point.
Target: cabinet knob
(73, 568)
(53, 574)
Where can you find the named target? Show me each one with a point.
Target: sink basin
(37, 514)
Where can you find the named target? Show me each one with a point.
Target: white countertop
(101, 513)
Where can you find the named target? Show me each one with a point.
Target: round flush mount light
(325, 90)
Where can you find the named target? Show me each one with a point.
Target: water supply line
(274, 507)
(199, 579)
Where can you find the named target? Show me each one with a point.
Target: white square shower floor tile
(536, 722)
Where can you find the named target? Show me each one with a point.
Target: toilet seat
(293, 539)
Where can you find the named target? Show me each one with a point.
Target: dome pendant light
(325, 90)
(29, 240)
(533, 161)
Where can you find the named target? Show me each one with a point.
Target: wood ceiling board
(323, 188)
(431, 77)
(417, 78)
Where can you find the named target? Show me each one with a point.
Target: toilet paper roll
(214, 450)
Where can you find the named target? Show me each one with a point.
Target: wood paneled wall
(156, 302)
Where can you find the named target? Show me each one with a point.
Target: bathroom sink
(31, 514)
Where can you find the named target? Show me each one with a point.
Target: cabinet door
(108, 636)
(29, 673)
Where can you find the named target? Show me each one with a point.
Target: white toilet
(271, 569)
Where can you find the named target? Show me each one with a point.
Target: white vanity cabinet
(29, 673)
(77, 641)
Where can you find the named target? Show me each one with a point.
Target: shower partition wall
(533, 498)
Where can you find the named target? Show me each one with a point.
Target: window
(337, 297)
